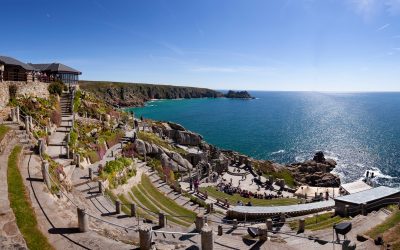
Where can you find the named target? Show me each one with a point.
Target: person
(196, 185)
(190, 184)
(249, 204)
(141, 117)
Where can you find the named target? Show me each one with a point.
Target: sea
(360, 131)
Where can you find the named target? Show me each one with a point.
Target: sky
(313, 45)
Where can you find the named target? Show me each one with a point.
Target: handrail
(37, 123)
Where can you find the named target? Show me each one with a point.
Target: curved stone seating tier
(257, 212)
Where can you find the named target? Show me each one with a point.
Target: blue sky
(321, 45)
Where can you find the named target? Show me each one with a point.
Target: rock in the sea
(319, 157)
(238, 95)
(316, 172)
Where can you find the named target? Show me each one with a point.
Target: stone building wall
(38, 89)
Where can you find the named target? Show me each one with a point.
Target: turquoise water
(359, 130)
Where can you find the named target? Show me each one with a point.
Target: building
(354, 187)
(366, 201)
(13, 70)
(56, 71)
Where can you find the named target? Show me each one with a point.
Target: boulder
(319, 157)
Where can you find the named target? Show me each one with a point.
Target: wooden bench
(223, 202)
(203, 194)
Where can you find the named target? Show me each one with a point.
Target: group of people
(229, 189)
(194, 183)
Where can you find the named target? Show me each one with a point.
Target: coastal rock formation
(316, 172)
(178, 134)
(168, 159)
(238, 95)
(135, 94)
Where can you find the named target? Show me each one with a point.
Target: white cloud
(383, 27)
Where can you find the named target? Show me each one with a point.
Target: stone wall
(38, 89)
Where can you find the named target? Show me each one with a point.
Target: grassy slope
(320, 221)
(256, 202)
(390, 228)
(163, 200)
(24, 213)
(3, 131)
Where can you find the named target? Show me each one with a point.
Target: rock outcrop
(136, 94)
(316, 172)
(238, 95)
(168, 159)
(178, 134)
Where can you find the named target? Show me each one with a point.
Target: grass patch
(152, 138)
(3, 131)
(233, 199)
(19, 202)
(166, 201)
(151, 198)
(390, 222)
(318, 222)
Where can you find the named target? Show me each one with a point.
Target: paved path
(10, 236)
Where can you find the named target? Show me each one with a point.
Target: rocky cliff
(136, 94)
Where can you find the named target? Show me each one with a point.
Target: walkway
(10, 236)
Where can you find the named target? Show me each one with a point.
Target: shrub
(56, 88)
(13, 91)
(55, 117)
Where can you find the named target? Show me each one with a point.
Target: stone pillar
(133, 210)
(27, 128)
(67, 151)
(346, 211)
(161, 220)
(302, 225)
(269, 224)
(100, 187)
(45, 174)
(90, 173)
(117, 207)
(235, 223)
(283, 217)
(12, 114)
(145, 237)
(263, 233)
(17, 113)
(199, 221)
(83, 220)
(220, 231)
(210, 207)
(78, 161)
(207, 238)
(30, 122)
(364, 209)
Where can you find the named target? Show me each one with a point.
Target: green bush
(56, 88)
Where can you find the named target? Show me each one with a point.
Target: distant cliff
(238, 95)
(136, 94)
